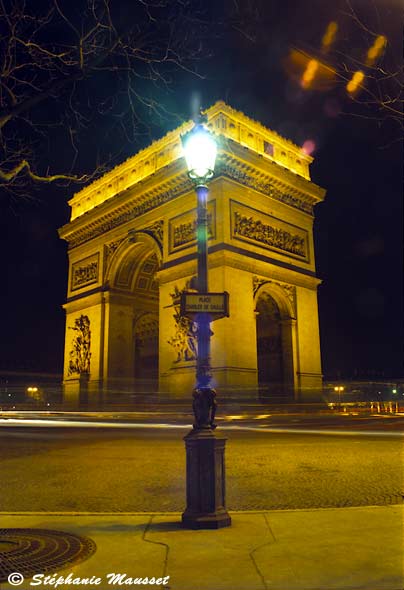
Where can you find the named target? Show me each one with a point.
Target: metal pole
(202, 237)
(203, 372)
(206, 494)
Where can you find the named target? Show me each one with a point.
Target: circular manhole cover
(39, 551)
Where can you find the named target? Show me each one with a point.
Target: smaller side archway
(146, 347)
(276, 343)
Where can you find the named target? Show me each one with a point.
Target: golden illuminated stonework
(132, 244)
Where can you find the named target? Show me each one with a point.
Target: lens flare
(355, 81)
(329, 36)
(376, 49)
(308, 147)
(309, 73)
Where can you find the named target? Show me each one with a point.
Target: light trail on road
(12, 422)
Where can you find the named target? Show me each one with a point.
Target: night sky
(242, 56)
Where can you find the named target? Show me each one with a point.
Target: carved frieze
(85, 272)
(182, 229)
(268, 232)
(263, 185)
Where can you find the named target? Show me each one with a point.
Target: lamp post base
(205, 481)
(217, 520)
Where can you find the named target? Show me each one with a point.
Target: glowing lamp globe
(200, 152)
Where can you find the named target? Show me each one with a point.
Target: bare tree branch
(24, 165)
(65, 65)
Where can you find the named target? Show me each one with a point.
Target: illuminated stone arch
(141, 216)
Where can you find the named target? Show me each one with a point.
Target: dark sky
(358, 159)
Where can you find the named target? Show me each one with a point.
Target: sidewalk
(328, 549)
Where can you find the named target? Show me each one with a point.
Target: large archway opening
(269, 346)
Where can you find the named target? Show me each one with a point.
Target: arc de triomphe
(132, 250)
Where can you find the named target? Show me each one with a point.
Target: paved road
(65, 469)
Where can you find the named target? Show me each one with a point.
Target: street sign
(214, 304)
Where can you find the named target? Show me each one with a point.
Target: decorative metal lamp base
(205, 481)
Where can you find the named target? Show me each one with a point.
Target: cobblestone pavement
(144, 470)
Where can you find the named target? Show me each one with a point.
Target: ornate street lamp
(204, 448)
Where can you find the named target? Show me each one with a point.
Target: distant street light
(204, 448)
(339, 389)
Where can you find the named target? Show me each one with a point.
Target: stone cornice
(265, 177)
(226, 123)
(130, 173)
(272, 271)
(269, 178)
(186, 267)
(126, 206)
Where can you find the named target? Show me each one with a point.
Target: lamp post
(204, 447)
(339, 389)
